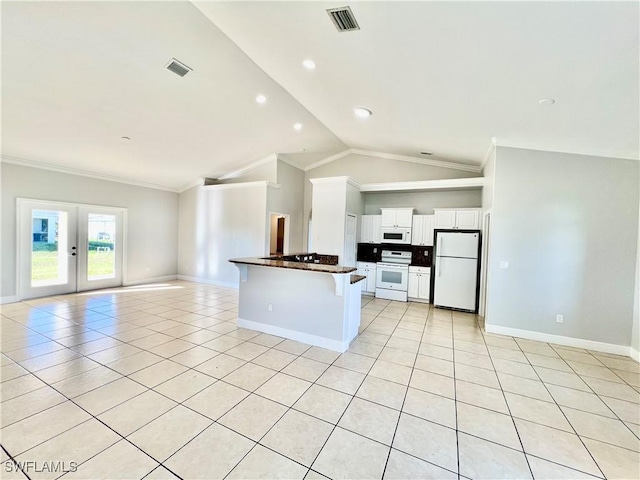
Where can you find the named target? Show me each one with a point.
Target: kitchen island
(299, 298)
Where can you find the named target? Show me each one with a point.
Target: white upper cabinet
(457, 219)
(397, 217)
(370, 232)
(422, 232)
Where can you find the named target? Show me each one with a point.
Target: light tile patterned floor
(157, 382)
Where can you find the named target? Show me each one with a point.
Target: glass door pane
(100, 238)
(101, 256)
(48, 254)
(49, 248)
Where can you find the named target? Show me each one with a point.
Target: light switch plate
(504, 265)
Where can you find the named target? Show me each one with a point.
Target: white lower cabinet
(368, 269)
(419, 284)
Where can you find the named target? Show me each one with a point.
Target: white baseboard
(8, 299)
(208, 281)
(560, 340)
(635, 354)
(166, 278)
(335, 345)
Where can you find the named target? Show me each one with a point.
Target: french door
(65, 248)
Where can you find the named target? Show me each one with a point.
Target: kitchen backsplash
(371, 252)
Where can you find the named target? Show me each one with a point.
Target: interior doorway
(279, 233)
(65, 248)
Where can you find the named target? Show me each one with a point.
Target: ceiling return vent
(178, 68)
(343, 19)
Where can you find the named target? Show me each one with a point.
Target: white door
(47, 248)
(464, 245)
(100, 242)
(468, 219)
(350, 245)
(404, 217)
(388, 218)
(417, 233)
(376, 227)
(427, 231)
(412, 287)
(371, 280)
(424, 284)
(445, 219)
(65, 248)
(455, 283)
(366, 231)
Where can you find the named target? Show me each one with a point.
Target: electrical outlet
(559, 318)
(270, 307)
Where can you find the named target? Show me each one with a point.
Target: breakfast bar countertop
(294, 265)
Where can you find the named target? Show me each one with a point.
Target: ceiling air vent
(178, 68)
(212, 181)
(343, 19)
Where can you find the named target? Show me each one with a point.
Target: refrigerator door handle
(439, 253)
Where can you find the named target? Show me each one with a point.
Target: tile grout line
(565, 417)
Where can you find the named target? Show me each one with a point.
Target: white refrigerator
(456, 270)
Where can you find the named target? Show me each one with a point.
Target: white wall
(152, 237)
(366, 169)
(423, 202)
(568, 226)
(289, 199)
(329, 211)
(217, 223)
(489, 172)
(635, 330)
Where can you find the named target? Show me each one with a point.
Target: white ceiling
(444, 77)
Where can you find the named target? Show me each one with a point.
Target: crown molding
(421, 161)
(492, 146)
(329, 159)
(83, 173)
(445, 184)
(343, 179)
(196, 183)
(400, 158)
(235, 173)
(229, 186)
(521, 146)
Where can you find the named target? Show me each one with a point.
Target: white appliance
(392, 275)
(396, 235)
(456, 270)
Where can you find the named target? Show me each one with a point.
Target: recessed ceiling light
(297, 127)
(309, 64)
(362, 112)
(261, 98)
(546, 101)
(125, 138)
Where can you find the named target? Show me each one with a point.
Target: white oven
(395, 235)
(392, 275)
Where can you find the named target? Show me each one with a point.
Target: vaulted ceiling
(442, 77)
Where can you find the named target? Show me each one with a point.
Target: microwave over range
(396, 235)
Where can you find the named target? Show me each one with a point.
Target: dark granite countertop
(311, 267)
(357, 278)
